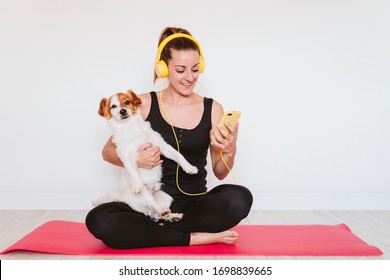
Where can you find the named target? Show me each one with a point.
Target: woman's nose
(190, 76)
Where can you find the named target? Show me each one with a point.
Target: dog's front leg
(172, 154)
(134, 177)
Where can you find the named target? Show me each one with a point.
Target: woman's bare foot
(203, 238)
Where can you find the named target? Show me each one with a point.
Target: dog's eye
(113, 106)
(127, 102)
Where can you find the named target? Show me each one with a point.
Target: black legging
(119, 226)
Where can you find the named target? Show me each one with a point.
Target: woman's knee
(238, 199)
(95, 223)
(236, 192)
(99, 222)
(242, 199)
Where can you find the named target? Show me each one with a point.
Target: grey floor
(371, 226)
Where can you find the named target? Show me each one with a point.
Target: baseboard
(262, 201)
(322, 201)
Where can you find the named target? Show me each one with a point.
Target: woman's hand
(227, 143)
(148, 156)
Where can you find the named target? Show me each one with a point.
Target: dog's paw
(190, 169)
(175, 217)
(169, 216)
(137, 188)
(165, 212)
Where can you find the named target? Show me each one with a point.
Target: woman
(208, 216)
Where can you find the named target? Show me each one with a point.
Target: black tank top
(194, 144)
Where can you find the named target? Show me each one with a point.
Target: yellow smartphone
(231, 117)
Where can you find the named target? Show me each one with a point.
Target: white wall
(310, 77)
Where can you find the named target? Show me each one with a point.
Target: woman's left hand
(227, 143)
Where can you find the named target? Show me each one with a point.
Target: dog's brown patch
(104, 108)
(129, 100)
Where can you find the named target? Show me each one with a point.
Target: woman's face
(183, 71)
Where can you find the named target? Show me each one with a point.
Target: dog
(139, 188)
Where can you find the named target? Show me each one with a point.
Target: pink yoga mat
(72, 238)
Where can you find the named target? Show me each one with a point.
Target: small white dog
(139, 187)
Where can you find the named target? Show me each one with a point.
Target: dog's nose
(123, 112)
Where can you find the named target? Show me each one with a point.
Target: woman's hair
(178, 44)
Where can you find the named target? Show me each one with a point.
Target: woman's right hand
(148, 156)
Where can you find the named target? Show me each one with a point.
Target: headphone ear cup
(202, 64)
(161, 69)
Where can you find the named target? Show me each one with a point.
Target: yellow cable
(227, 166)
(178, 149)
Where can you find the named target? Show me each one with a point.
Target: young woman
(208, 216)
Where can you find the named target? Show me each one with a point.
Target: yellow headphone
(161, 67)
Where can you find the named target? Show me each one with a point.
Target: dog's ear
(103, 110)
(134, 98)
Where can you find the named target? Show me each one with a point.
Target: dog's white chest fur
(139, 187)
(127, 137)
